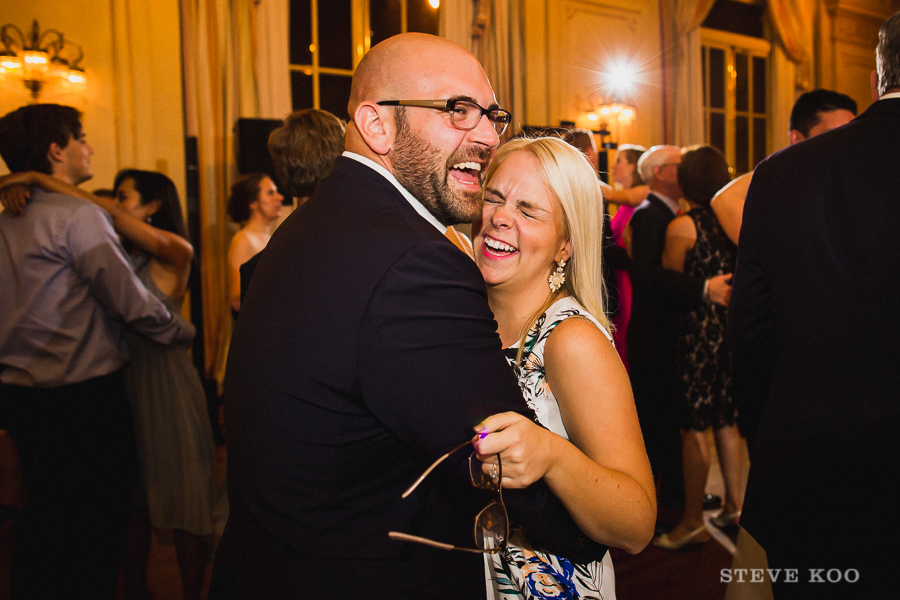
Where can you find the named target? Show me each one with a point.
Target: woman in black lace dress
(696, 245)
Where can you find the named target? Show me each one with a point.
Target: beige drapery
(493, 31)
(229, 50)
(680, 22)
(793, 25)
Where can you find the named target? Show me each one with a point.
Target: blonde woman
(538, 246)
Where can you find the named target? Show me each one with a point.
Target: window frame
(732, 44)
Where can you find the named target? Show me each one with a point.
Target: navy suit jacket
(816, 294)
(658, 295)
(364, 350)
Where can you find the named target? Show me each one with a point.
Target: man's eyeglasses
(464, 114)
(491, 524)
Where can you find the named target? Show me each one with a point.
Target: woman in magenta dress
(624, 172)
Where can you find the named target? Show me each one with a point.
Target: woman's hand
(526, 449)
(15, 190)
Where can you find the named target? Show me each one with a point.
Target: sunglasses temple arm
(405, 537)
(432, 468)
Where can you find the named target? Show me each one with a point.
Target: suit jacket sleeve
(647, 243)
(431, 367)
(750, 327)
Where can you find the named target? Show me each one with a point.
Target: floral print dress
(522, 571)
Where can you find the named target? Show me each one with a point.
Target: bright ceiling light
(622, 78)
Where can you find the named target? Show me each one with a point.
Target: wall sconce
(40, 58)
(611, 116)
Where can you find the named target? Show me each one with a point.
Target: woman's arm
(602, 476)
(681, 235)
(239, 252)
(15, 189)
(169, 248)
(630, 197)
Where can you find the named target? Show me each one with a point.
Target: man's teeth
(495, 245)
(467, 165)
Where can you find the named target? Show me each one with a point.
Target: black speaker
(252, 144)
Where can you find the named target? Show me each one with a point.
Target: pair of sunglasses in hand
(491, 524)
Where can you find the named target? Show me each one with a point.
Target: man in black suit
(365, 349)
(816, 287)
(813, 113)
(658, 296)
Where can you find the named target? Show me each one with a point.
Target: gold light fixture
(621, 113)
(611, 116)
(40, 58)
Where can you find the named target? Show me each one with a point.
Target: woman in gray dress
(172, 429)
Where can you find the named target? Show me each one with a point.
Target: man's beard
(419, 168)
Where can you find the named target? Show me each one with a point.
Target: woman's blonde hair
(566, 172)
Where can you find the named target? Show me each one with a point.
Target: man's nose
(484, 133)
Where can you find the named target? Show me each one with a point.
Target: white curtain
(493, 31)
(457, 17)
(792, 20)
(272, 57)
(222, 84)
(680, 22)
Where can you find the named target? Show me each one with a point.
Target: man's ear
(795, 136)
(55, 153)
(376, 126)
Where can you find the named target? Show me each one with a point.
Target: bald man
(365, 350)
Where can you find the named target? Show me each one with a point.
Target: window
(329, 37)
(735, 96)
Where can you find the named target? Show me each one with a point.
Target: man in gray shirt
(68, 292)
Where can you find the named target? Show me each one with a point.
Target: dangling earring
(559, 277)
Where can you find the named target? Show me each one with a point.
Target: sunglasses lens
(489, 481)
(491, 526)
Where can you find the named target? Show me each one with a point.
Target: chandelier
(40, 58)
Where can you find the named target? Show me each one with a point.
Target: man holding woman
(366, 349)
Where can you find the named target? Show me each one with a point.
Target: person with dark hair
(255, 204)
(304, 149)
(176, 453)
(659, 296)
(71, 293)
(815, 295)
(814, 112)
(175, 443)
(152, 188)
(49, 124)
(819, 111)
(697, 247)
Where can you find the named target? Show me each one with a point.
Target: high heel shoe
(693, 537)
(723, 519)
